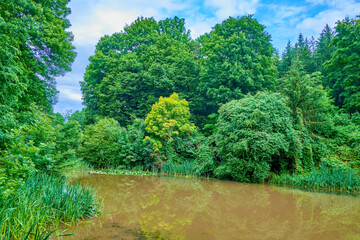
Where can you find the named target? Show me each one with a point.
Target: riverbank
(329, 177)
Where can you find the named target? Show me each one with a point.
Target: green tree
(237, 58)
(310, 109)
(100, 143)
(132, 69)
(35, 48)
(307, 99)
(343, 67)
(286, 59)
(168, 118)
(303, 53)
(255, 135)
(323, 49)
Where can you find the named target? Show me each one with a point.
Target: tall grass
(329, 176)
(184, 168)
(45, 201)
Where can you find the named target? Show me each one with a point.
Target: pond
(147, 207)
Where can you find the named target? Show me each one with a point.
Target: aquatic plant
(46, 201)
(330, 175)
(185, 168)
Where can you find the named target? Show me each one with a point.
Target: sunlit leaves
(168, 118)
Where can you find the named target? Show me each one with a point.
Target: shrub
(255, 134)
(100, 143)
(32, 141)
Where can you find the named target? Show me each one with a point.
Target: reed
(329, 176)
(185, 168)
(47, 202)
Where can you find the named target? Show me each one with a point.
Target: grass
(167, 168)
(45, 202)
(183, 169)
(329, 176)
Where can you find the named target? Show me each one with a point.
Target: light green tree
(168, 118)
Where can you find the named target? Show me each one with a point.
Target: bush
(100, 143)
(255, 135)
(32, 141)
(135, 151)
(106, 144)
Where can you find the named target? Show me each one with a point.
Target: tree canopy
(35, 48)
(237, 59)
(132, 69)
(343, 67)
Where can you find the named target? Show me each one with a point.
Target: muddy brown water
(147, 207)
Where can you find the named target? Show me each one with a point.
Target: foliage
(35, 48)
(307, 99)
(78, 116)
(132, 69)
(255, 134)
(168, 118)
(46, 201)
(237, 59)
(134, 150)
(345, 145)
(343, 67)
(34, 142)
(99, 143)
(331, 175)
(324, 49)
(106, 144)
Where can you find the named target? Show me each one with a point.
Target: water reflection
(178, 208)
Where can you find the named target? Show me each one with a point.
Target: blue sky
(284, 20)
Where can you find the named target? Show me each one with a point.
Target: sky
(284, 20)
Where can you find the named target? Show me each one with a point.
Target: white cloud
(226, 8)
(337, 11)
(69, 93)
(110, 16)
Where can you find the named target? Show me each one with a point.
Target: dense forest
(225, 105)
(226, 102)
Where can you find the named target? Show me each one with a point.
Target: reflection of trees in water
(179, 208)
(322, 215)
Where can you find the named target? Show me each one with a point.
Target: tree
(323, 49)
(35, 48)
(307, 99)
(286, 59)
(310, 109)
(168, 118)
(303, 53)
(343, 67)
(237, 58)
(132, 69)
(255, 135)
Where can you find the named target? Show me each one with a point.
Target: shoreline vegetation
(328, 178)
(43, 203)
